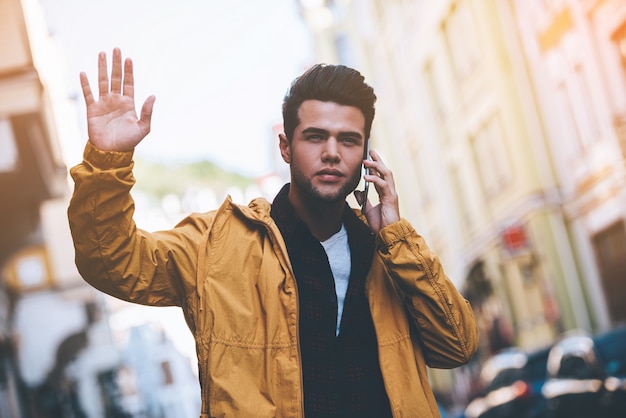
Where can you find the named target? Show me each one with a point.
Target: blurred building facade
(504, 124)
(58, 356)
(577, 60)
(31, 173)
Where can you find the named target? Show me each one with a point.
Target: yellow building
(577, 59)
(502, 122)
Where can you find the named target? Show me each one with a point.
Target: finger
(382, 178)
(378, 182)
(103, 77)
(387, 195)
(116, 71)
(87, 94)
(377, 158)
(377, 166)
(146, 113)
(129, 79)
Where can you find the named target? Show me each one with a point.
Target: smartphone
(366, 171)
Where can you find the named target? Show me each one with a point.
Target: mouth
(329, 175)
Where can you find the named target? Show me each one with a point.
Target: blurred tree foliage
(159, 180)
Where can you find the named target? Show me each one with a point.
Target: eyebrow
(326, 132)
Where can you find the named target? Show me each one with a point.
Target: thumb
(146, 112)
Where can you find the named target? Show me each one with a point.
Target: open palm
(112, 123)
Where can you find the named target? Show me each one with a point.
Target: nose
(331, 150)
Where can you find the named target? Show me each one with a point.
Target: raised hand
(387, 211)
(112, 123)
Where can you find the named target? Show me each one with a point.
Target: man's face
(326, 151)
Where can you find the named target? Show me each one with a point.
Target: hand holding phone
(366, 172)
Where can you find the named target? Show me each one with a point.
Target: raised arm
(112, 123)
(112, 254)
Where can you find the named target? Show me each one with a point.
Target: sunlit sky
(218, 68)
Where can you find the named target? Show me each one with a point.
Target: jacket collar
(285, 217)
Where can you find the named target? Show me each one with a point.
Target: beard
(304, 184)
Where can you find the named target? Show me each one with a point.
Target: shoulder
(258, 210)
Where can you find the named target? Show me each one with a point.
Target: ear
(285, 148)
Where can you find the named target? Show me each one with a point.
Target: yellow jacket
(229, 271)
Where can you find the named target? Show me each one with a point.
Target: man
(299, 307)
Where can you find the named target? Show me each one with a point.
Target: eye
(350, 140)
(314, 137)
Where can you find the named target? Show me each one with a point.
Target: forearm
(442, 316)
(111, 253)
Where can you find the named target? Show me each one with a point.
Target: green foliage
(159, 180)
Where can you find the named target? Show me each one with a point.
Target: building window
(568, 119)
(576, 100)
(460, 194)
(582, 105)
(436, 96)
(422, 186)
(462, 38)
(610, 250)
(432, 92)
(574, 95)
(492, 158)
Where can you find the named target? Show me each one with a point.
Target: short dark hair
(329, 83)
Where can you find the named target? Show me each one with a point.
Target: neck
(323, 219)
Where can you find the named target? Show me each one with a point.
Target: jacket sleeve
(443, 319)
(112, 254)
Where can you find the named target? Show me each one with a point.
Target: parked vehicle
(587, 375)
(513, 380)
(611, 348)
